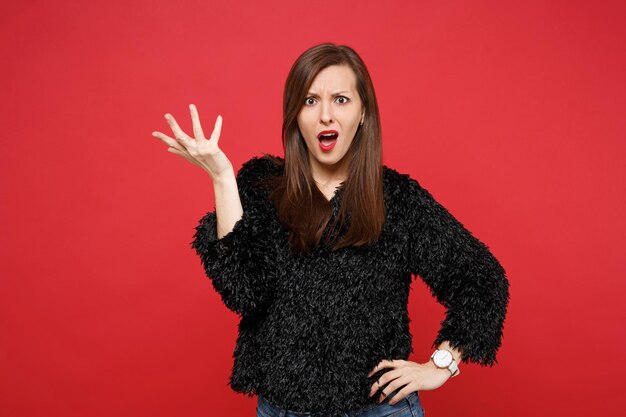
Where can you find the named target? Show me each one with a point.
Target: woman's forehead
(334, 80)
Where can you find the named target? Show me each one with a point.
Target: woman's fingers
(405, 381)
(174, 146)
(184, 155)
(217, 130)
(168, 140)
(385, 363)
(386, 377)
(178, 132)
(197, 128)
(199, 151)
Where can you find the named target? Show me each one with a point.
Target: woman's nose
(326, 116)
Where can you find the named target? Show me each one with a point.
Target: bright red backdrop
(510, 113)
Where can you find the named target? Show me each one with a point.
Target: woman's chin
(331, 159)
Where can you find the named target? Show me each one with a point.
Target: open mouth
(328, 138)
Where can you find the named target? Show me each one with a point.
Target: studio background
(510, 113)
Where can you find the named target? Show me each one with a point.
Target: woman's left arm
(464, 277)
(462, 274)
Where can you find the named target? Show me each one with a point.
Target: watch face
(442, 358)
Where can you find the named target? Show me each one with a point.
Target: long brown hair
(300, 205)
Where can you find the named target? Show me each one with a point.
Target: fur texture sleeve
(462, 274)
(242, 264)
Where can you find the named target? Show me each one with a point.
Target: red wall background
(510, 113)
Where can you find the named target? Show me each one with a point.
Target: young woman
(316, 252)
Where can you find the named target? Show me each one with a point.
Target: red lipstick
(328, 139)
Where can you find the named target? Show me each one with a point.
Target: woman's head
(329, 88)
(332, 106)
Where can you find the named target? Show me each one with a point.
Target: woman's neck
(327, 175)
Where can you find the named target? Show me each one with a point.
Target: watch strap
(454, 368)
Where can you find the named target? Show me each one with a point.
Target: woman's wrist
(444, 371)
(224, 179)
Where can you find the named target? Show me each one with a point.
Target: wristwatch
(443, 359)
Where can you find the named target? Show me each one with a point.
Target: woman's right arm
(242, 261)
(238, 251)
(227, 203)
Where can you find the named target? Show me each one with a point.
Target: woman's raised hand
(199, 151)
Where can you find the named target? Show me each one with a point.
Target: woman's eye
(309, 100)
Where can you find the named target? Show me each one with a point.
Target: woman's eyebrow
(311, 93)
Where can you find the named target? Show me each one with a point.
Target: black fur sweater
(312, 327)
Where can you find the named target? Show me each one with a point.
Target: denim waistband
(270, 410)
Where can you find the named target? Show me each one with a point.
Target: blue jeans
(410, 406)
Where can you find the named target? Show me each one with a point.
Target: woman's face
(332, 104)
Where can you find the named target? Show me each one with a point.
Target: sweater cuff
(476, 325)
(240, 264)
(211, 246)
